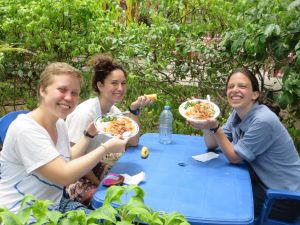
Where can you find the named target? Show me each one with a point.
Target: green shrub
(163, 44)
(132, 212)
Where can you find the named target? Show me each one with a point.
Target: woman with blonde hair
(37, 158)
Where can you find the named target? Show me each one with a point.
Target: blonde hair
(57, 69)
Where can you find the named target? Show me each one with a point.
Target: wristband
(87, 134)
(134, 112)
(214, 130)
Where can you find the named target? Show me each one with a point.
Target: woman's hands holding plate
(199, 110)
(119, 125)
(200, 113)
(203, 124)
(116, 144)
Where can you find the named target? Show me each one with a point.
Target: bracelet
(87, 134)
(214, 130)
(134, 112)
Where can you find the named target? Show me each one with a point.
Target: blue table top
(212, 192)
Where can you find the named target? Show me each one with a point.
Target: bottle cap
(167, 107)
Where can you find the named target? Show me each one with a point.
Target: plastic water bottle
(165, 125)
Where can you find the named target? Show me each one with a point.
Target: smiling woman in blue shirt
(254, 134)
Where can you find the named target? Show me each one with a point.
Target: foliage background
(175, 48)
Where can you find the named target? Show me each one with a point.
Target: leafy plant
(134, 211)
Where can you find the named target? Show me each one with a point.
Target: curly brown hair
(103, 65)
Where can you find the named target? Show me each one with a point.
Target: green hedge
(161, 43)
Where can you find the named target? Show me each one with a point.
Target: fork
(116, 114)
(208, 98)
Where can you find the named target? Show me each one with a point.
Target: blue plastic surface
(212, 192)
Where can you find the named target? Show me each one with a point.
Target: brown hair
(56, 69)
(255, 87)
(103, 65)
(247, 73)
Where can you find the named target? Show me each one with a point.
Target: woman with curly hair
(37, 158)
(109, 83)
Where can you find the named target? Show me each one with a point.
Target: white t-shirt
(82, 116)
(28, 146)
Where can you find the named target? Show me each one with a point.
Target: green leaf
(297, 47)
(24, 214)
(174, 218)
(294, 4)
(272, 30)
(39, 209)
(76, 217)
(113, 194)
(139, 194)
(27, 199)
(142, 213)
(283, 100)
(9, 218)
(298, 59)
(106, 212)
(155, 218)
(250, 46)
(238, 44)
(281, 49)
(54, 216)
(123, 223)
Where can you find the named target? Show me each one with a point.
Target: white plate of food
(199, 110)
(112, 126)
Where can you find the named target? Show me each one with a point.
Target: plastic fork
(208, 98)
(116, 114)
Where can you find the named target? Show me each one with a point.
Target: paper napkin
(136, 179)
(206, 156)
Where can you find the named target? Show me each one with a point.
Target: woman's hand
(115, 145)
(204, 124)
(91, 129)
(141, 101)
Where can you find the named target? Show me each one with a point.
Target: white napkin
(136, 179)
(206, 156)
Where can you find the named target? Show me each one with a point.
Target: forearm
(79, 149)
(134, 141)
(135, 108)
(65, 173)
(209, 139)
(226, 146)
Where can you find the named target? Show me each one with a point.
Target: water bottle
(165, 125)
